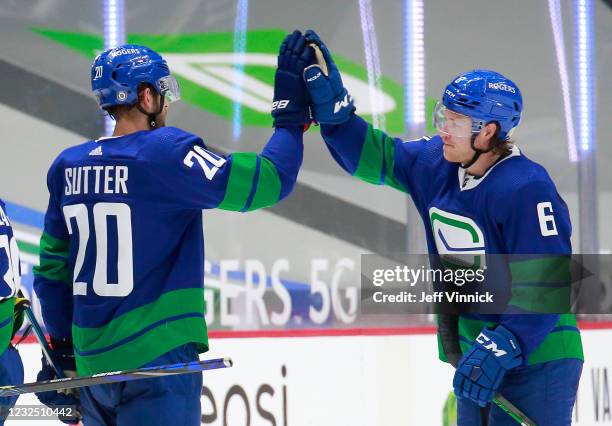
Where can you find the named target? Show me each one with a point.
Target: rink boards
(356, 380)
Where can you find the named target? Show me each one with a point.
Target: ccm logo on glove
(492, 346)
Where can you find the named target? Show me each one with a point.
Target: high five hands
(307, 85)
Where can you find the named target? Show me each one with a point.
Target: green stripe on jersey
(53, 263)
(378, 155)
(546, 270)
(390, 179)
(370, 164)
(175, 318)
(542, 300)
(268, 187)
(170, 304)
(54, 246)
(147, 347)
(541, 285)
(560, 344)
(240, 181)
(7, 307)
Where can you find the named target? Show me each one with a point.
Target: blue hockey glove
(63, 357)
(53, 399)
(332, 103)
(481, 370)
(291, 105)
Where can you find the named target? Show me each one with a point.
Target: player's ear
(150, 96)
(489, 131)
(145, 97)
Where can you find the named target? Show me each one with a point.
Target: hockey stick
(449, 332)
(513, 411)
(116, 376)
(44, 346)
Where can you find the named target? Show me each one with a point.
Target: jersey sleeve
(10, 279)
(371, 155)
(9, 265)
(537, 231)
(194, 177)
(6, 279)
(52, 276)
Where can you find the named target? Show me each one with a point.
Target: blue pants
(11, 373)
(544, 392)
(170, 400)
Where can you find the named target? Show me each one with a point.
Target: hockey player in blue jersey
(11, 368)
(476, 192)
(120, 280)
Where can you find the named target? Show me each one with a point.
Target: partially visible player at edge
(120, 280)
(11, 317)
(472, 174)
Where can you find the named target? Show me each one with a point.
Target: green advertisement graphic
(209, 73)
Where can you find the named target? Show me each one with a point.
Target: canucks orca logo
(458, 238)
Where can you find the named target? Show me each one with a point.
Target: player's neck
(484, 163)
(125, 127)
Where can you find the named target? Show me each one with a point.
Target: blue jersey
(513, 209)
(9, 277)
(122, 253)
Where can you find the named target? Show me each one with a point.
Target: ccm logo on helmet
(502, 86)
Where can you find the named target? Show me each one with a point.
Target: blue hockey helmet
(116, 74)
(484, 96)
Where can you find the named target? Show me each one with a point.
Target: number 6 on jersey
(548, 227)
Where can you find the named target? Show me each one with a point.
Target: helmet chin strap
(152, 117)
(477, 153)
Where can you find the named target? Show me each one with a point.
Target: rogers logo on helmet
(116, 53)
(502, 86)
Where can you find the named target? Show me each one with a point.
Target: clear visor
(169, 88)
(451, 123)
